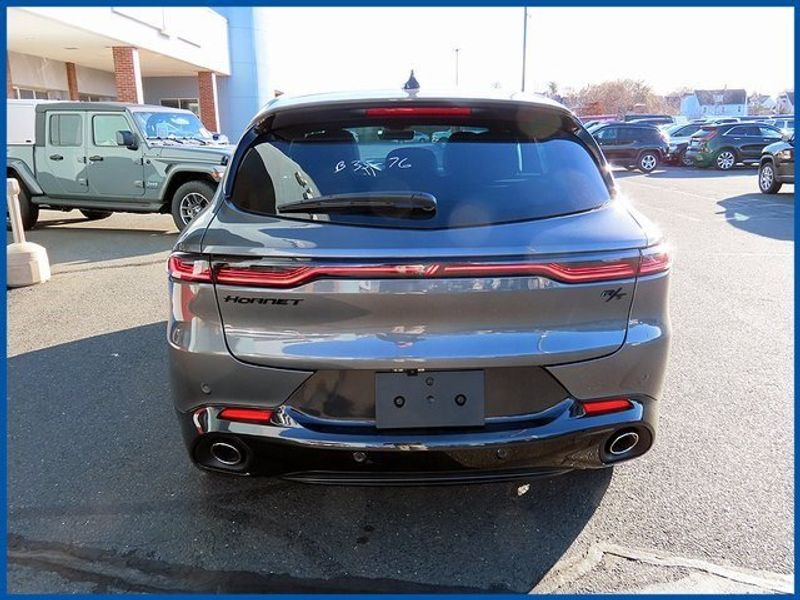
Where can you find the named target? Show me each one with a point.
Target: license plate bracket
(429, 399)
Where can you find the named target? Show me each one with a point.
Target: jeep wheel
(189, 200)
(96, 215)
(767, 182)
(647, 162)
(28, 211)
(725, 159)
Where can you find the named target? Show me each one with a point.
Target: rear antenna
(412, 85)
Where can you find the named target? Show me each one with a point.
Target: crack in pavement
(564, 574)
(110, 571)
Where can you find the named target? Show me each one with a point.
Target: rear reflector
(246, 415)
(419, 111)
(601, 407)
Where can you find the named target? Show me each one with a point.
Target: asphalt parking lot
(102, 497)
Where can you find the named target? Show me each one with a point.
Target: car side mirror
(127, 139)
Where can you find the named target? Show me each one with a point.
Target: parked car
(632, 145)
(650, 119)
(653, 121)
(484, 310)
(726, 145)
(678, 137)
(102, 158)
(776, 166)
(785, 123)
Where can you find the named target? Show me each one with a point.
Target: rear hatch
(497, 246)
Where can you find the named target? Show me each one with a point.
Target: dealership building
(210, 61)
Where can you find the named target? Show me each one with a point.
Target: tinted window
(105, 128)
(606, 134)
(687, 130)
(489, 172)
(66, 130)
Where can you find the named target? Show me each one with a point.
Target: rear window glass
(480, 173)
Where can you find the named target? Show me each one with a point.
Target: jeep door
(61, 160)
(115, 172)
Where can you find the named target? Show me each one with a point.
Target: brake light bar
(603, 407)
(259, 416)
(188, 268)
(419, 111)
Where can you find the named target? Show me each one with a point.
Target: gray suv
(361, 306)
(102, 158)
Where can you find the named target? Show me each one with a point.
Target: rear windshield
(480, 173)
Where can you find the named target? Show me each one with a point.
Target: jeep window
(489, 171)
(161, 125)
(105, 128)
(66, 130)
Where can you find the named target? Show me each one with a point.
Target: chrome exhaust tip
(623, 443)
(226, 453)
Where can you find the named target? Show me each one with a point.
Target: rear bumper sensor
(562, 438)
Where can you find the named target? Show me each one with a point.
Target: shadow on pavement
(85, 245)
(670, 172)
(101, 494)
(763, 214)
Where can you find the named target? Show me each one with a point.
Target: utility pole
(456, 50)
(524, 46)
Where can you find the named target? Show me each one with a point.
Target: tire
(685, 161)
(767, 182)
(28, 211)
(725, 159)
(647, 161)
(188, 200)
(96, 215)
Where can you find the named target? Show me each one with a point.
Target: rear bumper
(297, 447)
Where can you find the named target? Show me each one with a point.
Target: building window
(34, 94)
(185, 103)
(95, 98)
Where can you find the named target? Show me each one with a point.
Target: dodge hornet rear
(360, 304)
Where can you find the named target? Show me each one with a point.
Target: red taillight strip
(419, 111)
(189, 268)
(196, 269)
(286, 277)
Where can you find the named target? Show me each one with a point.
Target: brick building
(207, 61)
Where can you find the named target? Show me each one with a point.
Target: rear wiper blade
(402, 203)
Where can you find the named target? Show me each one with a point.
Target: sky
(327, 49)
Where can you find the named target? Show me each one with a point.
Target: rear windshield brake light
(419, 111)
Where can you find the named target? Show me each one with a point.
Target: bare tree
(621, 96)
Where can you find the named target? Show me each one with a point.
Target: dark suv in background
(726, 145)
(632, 145)
(776, 166)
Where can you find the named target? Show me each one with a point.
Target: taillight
(259, 416)
(602, 407)
(189, 267)
(419, 111)
(293, 276)
(655, 259)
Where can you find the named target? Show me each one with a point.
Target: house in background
(712, 103)
(212, 62)
(785, 103)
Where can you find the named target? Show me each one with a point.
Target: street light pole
(524, 45)
(457, 50)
